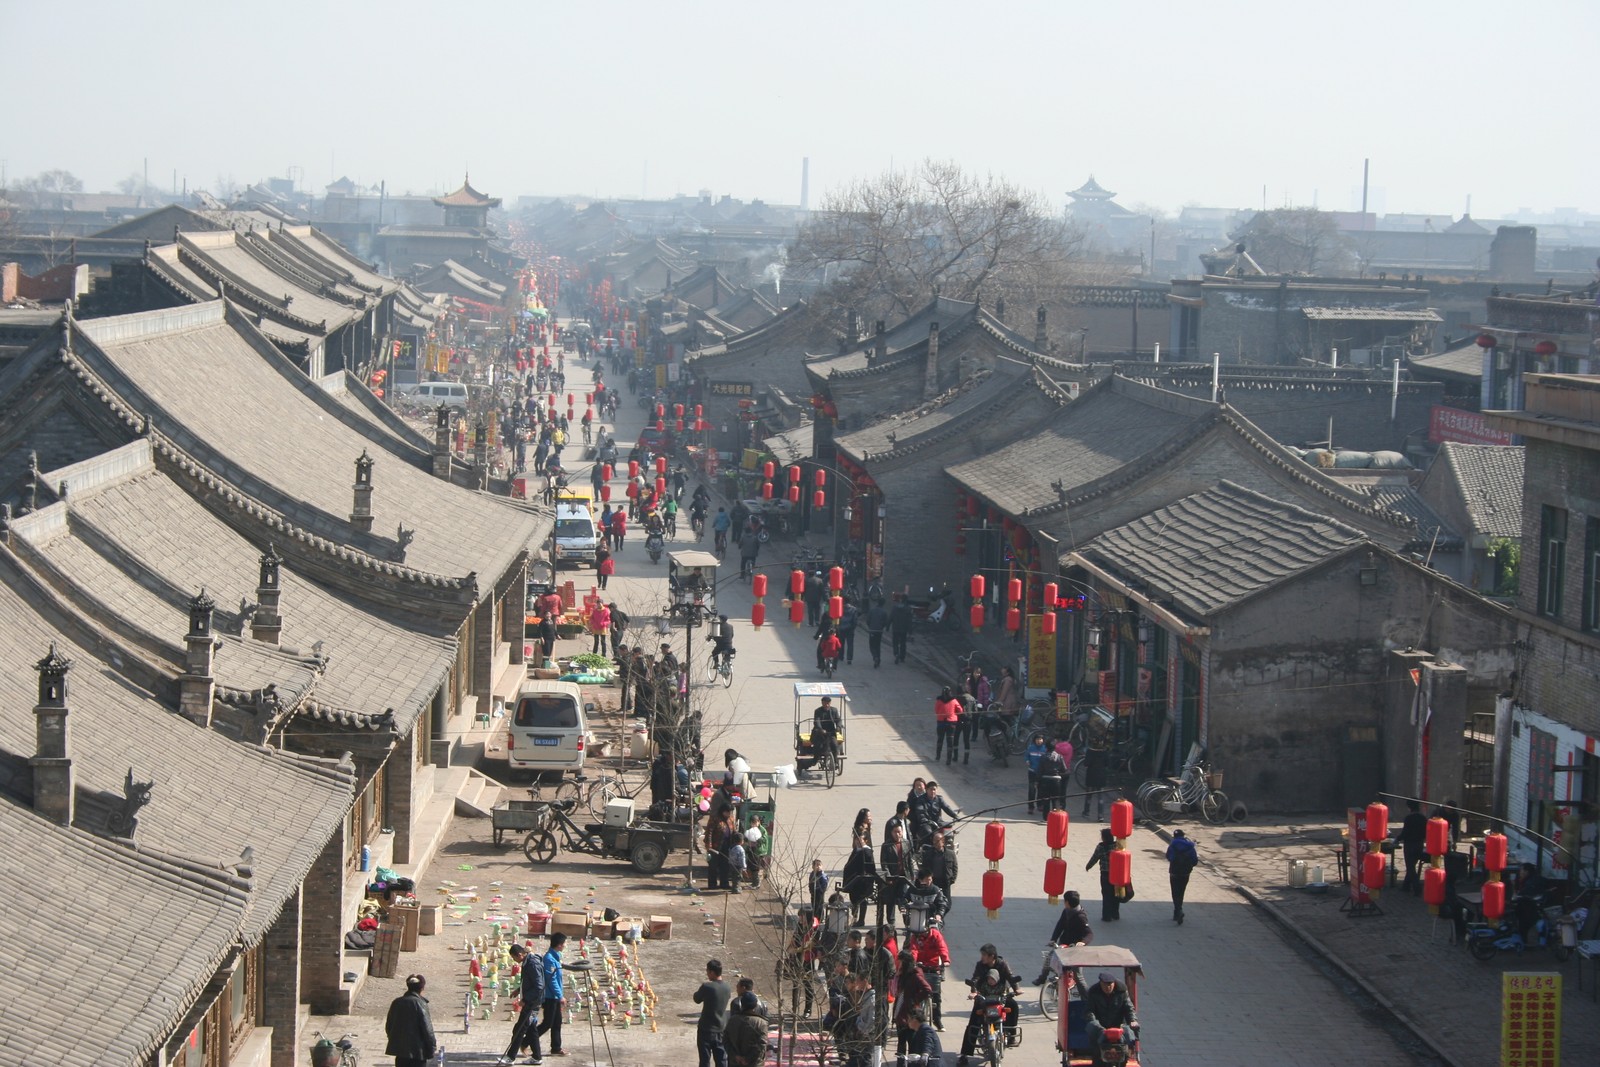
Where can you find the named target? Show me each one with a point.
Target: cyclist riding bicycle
(721, 641)
(697, 517)
(669, 515)
(825, 729)
(829, 648)
(719, 527)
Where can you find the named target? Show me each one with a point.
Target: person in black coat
(531, 997)
(409, 1026)
(860, 878)
(1110, 905)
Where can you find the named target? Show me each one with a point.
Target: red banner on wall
(1467, 427)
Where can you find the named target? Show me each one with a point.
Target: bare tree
(46, 189)
(1296, 240)
(883, 245)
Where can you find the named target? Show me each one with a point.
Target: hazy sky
(1215, 103)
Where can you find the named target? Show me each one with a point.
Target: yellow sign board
(1530, 1019)
(1041, 655)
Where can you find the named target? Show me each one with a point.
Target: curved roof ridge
(268, 305)
(1290, 506)
(241, 502)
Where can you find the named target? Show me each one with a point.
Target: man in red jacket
(933, 956)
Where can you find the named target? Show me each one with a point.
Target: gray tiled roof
(1405, 501)
(225, 253)
(145, 533)
(906, 334)
(212, 796)
(1214, 550)
(239, 407)
(81, 911)
(938, 416)
(1489, 479)
(1464, 362)
(1112, 425)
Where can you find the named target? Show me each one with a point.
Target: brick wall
(280, 983)
(322, 930)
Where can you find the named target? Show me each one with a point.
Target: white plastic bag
(784, 775)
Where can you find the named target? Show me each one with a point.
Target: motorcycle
(655, 544)
(995, 1035)
(937, 609)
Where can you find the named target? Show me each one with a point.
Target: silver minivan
(575, 532)
(548, 727)
(432, 394)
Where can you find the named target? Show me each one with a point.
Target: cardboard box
(407, 914)
(660, 928)
(432, 919)
(385, 959)
(605, 931)
(571, 923)
(626, 923)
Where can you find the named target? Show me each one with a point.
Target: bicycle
(588, 434)
(721, 543)
(721, 667)
(330, 1053)
(671, 521)
(697, 523)
(1014, 730)
(1160, 799)
(1050, 989)
(829, 665)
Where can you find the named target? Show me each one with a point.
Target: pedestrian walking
(1033, 756)
(1414, 845)
(876, 621)
(1095, 776)
(849, 617)
(816, 592)
(947, 718)
(713, 997)
(604, 565)
(530, 1000)
(619, 530)
(910, 992)
(547, 637)
(1052, 782)
(619, 622)
(599, 628)
(553, 996)
(409, 1026)
(860, 878)
(1181, 860)
(746, 1034)
(1110, 904)
(899, 627)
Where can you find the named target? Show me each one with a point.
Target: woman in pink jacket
(947, 719)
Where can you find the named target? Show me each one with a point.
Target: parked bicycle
(330, 1053)
(1162, 798)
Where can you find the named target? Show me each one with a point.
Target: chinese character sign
(1530, 1019)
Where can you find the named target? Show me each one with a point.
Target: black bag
(1127, 892)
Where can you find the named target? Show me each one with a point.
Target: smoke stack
(266, 625)
(1038, 331)
(196, 686)
(361, 514)
(930, 374)
(805, 183)
(441, 443)
(53, 795)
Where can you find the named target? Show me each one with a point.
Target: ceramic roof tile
(1214, 550)
(174, 926)
(1490, 480)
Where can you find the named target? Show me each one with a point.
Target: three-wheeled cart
(642, 842)
(692, 581)
(1076, 968)
(762, 814)
(807, 697)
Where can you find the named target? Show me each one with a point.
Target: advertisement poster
(1041, 655)
(1530, 1019)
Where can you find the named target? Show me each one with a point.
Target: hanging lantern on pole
(1122, 818)
(758, 614)
(797, 611)
(975, 616)
(768, 470)
(794, 494)
(661, 464)
(1047, 623)
(994, 841)
(1013, 619)
(797, 581)
(633, 469)
(677, 426)
(605, 494)
(606, 473)
(976, 586)
(1496, 852)
(1438, 836)
(661, 486)
(1119, 865)
(1377, 823)
(818, 500)
(1056, 825)
(1433, 888)
(794, 473)
(994, 892)
(677, 412)
(766, 490)
(1372, 871)
(1014, 590)
(835, 579)
(1052, 593)
(758, 586)
(1494, 901)
(1055, 878)
(836, 607)
(820, 478)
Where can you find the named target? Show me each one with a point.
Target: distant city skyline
(1234, 105)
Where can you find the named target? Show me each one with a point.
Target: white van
(576, 534)
(548, 726)
(432, 394)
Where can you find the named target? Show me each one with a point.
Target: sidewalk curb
(1276, 914)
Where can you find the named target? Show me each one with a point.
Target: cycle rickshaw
(807, 695)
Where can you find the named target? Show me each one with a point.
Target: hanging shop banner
(1530, 1019)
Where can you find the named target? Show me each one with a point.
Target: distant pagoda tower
(466, 207)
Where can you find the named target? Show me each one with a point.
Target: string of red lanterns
(1055, 868)
(994, 882)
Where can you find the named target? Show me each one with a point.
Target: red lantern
(661, 464)
(661, 485)
(698, 412)
(836, 608)
(794, 494)
(975, 615)
(606, 472)
(1544, 349)
(797, 582)
(1047, 623)
(1377, 822)
(758, 614)
(1496, 852)
(994, 841)
(1487, 340)
(994, 892)
(758, 586)
(1052, 593)
(605, 494)
(633, 468)
(794, 474)
(766, 490)
(1014, 590)
(1122, 818)
(570, 400)
(677, 426)
(972, 507)
(1055, 878)
(1055, 829)
(1433, 886)
(1372, 870)
(1013, 619)
(1494, 901)
(661, 410)
(661, 426)
(1120, 866)
(768, 469)
(633, 490)
(976, 586)
(820, 478)
(1438, 836)
(677, 411)
(797, 611)
(818, 500)
(835, 579)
